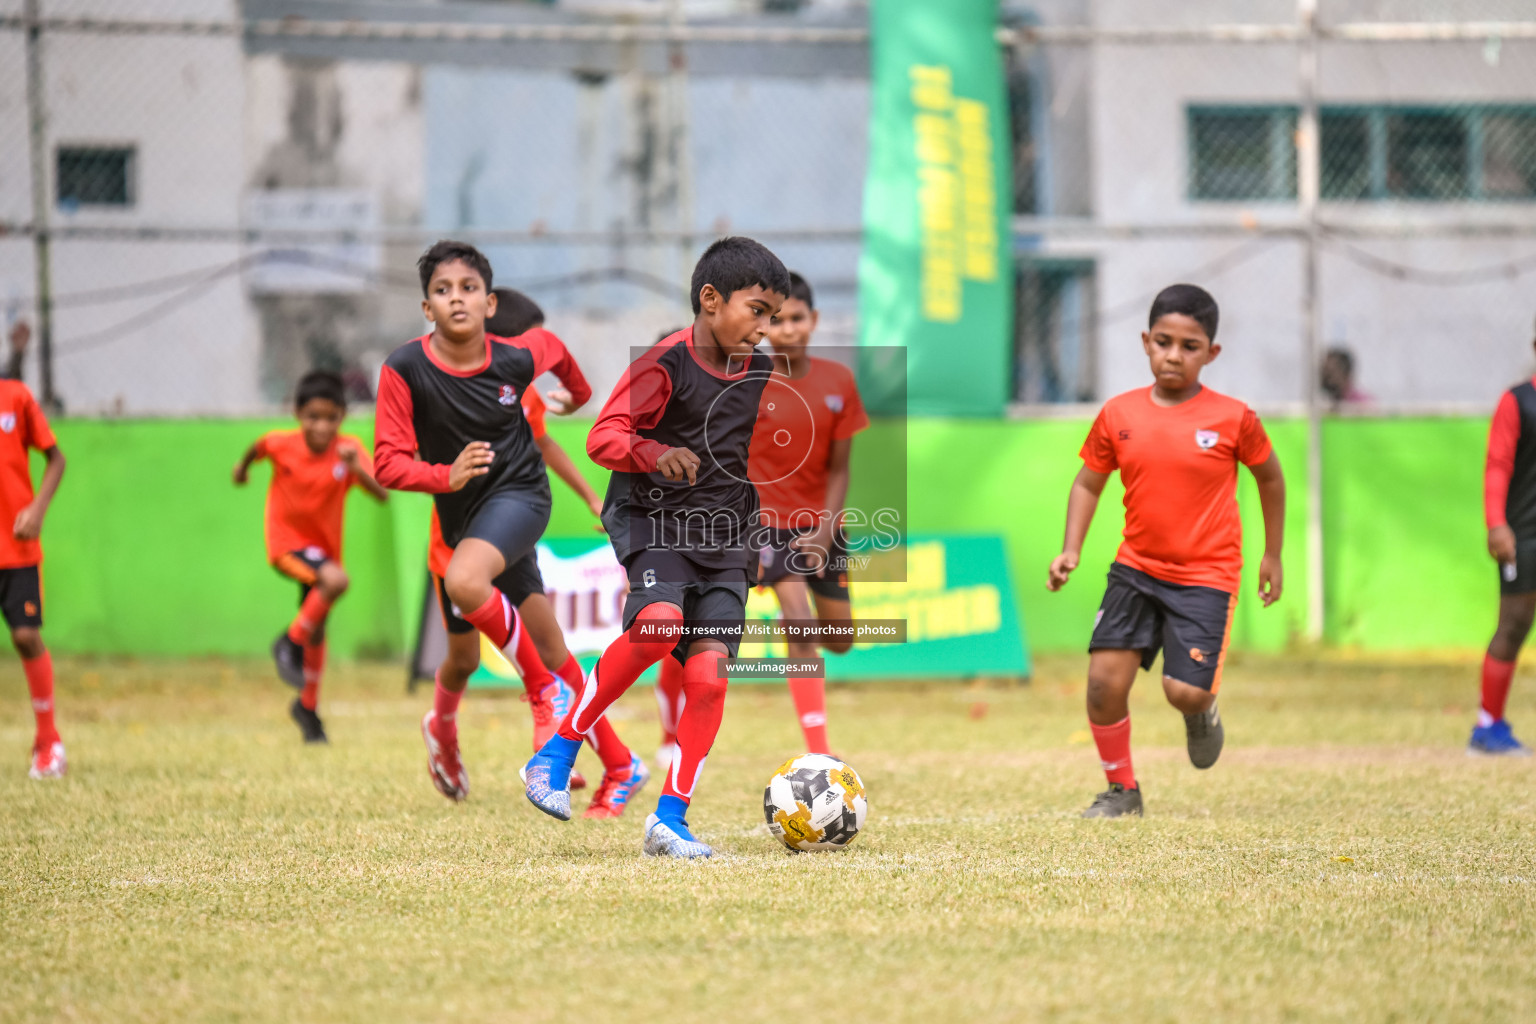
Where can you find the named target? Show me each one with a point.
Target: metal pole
(1308, 170)
(38, 143)
(682, 150)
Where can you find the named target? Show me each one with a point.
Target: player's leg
(502, 532)
(715, 611)
(669, 704)
(809, 691)
(303, 567)
(308, 630)
(653, 625)
(1492, 734)
(1125, 638)
(21, 602)
(440, 725)
(1196, 632)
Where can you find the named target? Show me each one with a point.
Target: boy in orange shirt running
(313, 468)
(1173, 585)
(23, 426)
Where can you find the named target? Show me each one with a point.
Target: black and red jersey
(1509, 478)
(667, 399)
(428, 409)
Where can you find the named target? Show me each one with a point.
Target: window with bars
(1368, 153)
(94, 176)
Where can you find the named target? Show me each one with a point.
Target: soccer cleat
(665, 755)
(309, 722)
(1203, 734)
(289, 659)
(617, 787)
(1496, 740)
(662, 840)
(1115, 802)
(548, 786)
(48, 762)
(549, 709)
(443, 764)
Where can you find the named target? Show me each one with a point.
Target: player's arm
(1082, 503)
(550, 355)
(559, 462)
(637, 402)
(1272, 501)
(242, 472)
(29, 521)
(817, 545)
(1503, 437)
(395, 465)
(356, 461)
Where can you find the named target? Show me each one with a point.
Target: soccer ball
(815, 802)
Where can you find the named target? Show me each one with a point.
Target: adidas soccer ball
(815, 802)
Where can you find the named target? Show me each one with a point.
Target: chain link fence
(231, 194)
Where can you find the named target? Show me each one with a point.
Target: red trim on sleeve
(550, 355)
(637, 403)
(394, 441)
(1503, 436)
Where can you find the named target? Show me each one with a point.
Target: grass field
(1344, 861)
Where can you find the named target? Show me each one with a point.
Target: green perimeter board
(150, 549)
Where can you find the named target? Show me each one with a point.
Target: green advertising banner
(935, 275)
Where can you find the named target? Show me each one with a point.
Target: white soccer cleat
(443, 764)
(49, 763)
(662, 841)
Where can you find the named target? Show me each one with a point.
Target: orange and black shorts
(21, 597)
(1190, 625)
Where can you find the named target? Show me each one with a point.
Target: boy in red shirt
(1509, 507)
(1173, 585)
(801, 446)
(537, 640)
(23, 426)
(313, 468)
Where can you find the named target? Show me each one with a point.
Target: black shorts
(776, 560)
(1190, 625)
(1519, 578)
(512, 521)
(303, 567)
(21, 597)
(519, 581)
(714, 601)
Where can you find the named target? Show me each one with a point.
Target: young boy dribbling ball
(1173, 585)
(313, 468)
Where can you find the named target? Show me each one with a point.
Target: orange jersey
(22, 426)
(797, 421)
(308, 492)
(1179, 467)
(439, 553)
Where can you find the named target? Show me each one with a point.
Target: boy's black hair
(1192, 301)
(800, 288)
(516, 314)
(734, 263)
(1342, 355)
(446, 251)
(324, 384)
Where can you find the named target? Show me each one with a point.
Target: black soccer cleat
(309, 722)
(1204, 735)
(1115, 802)
(289, 659)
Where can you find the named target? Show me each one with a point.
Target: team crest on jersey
(7, 421)
(835, 403)
(339, 471)
(1206, 439)
(507, 396)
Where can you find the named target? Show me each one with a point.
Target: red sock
(698, 724)
(1497, 675)
(40, 682)
(498, 619)
(605, 741)
(314, 665)
(669, 698)
(311, 617)
(810, 696)
(1114, 743)
(658, 627)
(445, 704)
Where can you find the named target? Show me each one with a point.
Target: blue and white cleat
(614, 792)
(549, 786)
(662, 840)
(1496, 740)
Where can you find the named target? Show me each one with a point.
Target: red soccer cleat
(443, 764)
(549, 709)
(617, 787)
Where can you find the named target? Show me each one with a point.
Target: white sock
(1484, 719)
